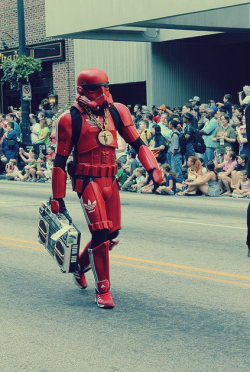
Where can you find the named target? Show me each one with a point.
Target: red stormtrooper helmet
(93, 89)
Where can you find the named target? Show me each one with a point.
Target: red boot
(99, 261)
(83, 267)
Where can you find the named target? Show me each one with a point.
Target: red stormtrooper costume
(96, 118)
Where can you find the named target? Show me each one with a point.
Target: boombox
(60, 237)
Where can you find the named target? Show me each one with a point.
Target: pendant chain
(96, 120)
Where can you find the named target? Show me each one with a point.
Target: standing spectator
(246, 100)
(35, 128)
(138, 114)
(227, 104)
(224, 136)
(165, 131)
(195, 101)
(53, 133)
(150, 121)
(188, 108)
(144, 132)
(43, 135)
(189, 133)
(158, 144)
(175, 151)
(202, 109)
(11, 119)
(244, 146)
(9, 143)
(207, 134)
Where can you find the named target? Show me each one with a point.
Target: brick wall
(34, 14)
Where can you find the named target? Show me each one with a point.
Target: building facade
(57, 55)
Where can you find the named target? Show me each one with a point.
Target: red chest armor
(93, 158)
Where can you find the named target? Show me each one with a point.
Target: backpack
(182, 142)
(199, 144)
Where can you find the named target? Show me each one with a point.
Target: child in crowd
(243, 187)
(226, 167)
(11, 170)
(139, 179)
(170, 181)
(120, 176)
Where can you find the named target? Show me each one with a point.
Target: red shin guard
(99, 261)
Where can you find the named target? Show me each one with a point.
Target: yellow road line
(190, 268)
(241, 284)
(151, 262)
(23, 246)
(19, 240)
(208, 224)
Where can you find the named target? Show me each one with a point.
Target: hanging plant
(19, 70)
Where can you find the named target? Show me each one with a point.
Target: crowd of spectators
(201, 148)
(35, 162)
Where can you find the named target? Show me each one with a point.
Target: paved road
(180, 279)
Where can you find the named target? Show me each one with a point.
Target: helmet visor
(94, 87)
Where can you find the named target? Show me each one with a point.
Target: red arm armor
(131, 136)
(59, 178)
(64, 135)
(64, 148)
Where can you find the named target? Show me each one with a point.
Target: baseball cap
(195, 98)
(162, 107)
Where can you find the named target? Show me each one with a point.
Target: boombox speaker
(60, 237)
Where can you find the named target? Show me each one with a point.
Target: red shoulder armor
(64, 135)
(129, 132)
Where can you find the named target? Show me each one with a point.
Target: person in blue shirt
(170, 181)
(207, 134)
(9, 145)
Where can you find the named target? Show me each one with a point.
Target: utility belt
(80, 171)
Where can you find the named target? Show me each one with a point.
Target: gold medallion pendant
(105, 137)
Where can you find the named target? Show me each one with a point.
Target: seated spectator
(207, 184)
(148, 187)
(51, 154)
(144, 132)
(131, 180)
(236, 173)
(243, 187)
(224, 136)
(121, 151)
(169, 188)
(139, 179)
(49, 166)
(158, 144)
(11, 169)
(41, 168)
(120, 175)
(9, 142)
(203, 169)
(227, 104)
(227, 166)
(131, 163)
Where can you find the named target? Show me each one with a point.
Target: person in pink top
(53, 133)
(227, 167)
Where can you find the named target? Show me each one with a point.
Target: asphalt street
(180, 279)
